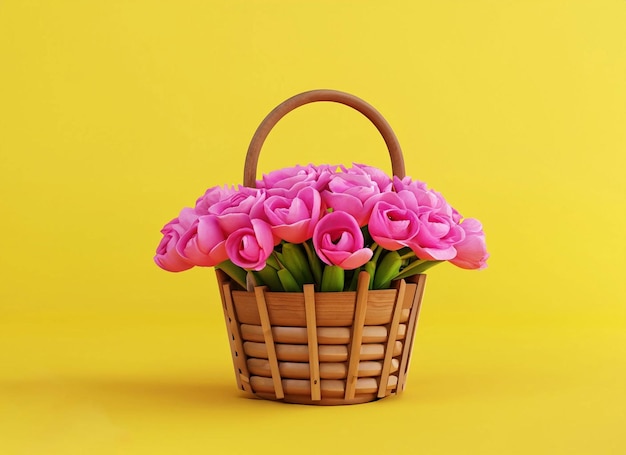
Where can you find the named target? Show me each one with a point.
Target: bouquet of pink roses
(321, 225)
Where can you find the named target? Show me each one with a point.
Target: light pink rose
(250, 245)
(212, 196)
(203, 243)
(288, 181)
(349, 193)
(472, 250)
(392, 225)
(293, 220)
(338, 240)
(166, 255)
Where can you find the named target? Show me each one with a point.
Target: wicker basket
(322, 348)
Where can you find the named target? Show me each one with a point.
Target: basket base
(303, 399)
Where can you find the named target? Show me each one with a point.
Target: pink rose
(245, 200)
(392, 225)
(338, 240)
(203, 243)
(436, 236)
(417, 196)
(442, 206)
(293, 220)
(250, 245)
(349, 193)
(439, 231)
(407, 183)
(212, 196)
(166, 255)
(419, 192)
(288, 181)
(379, 176)
(472, 250)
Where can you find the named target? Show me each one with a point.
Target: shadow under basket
(322, 348)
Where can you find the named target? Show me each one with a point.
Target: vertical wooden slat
(393, 334)
(410, 332)
(269, 341)
(234, 335)
(357, 334)
(311, 329)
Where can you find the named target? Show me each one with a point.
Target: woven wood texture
(322, 348)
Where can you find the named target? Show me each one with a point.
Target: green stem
(408, 255)
(276, 261)
(377, 252)
(370, 267)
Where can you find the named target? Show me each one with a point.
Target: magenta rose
(249, 245)
(439, 232)
(378, 176)
(420, 192)
(338, 240)
(391, 224)
(436, 236)
(166, 255)
(204, 243)
(293, 219)
(349, 193)
(245, 200)
(288, 181)
(417, 196)
(472, 250)
(213, 196)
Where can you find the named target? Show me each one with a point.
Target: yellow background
(116, 114)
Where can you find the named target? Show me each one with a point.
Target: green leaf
(388, 268)
(354, 279)
(296, 262)
(278, 257)
(235, 272)
(288, 281)
(416, 268)
(269, 277)
(273, 262)
(333, 279)
(314, 262)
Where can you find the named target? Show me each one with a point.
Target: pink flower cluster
(331, 206)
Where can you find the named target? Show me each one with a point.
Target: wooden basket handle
(252, 157)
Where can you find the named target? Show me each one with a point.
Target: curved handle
(252, 157)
